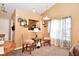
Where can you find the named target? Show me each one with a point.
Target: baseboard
(18, 48)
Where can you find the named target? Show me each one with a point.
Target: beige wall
(19, 30)
(62, 10)
(4, 27)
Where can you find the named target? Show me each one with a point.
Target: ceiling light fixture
(46, 18)
(33, 10)
(3, 8)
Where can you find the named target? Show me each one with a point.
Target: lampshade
(34, 10)
(23, 23)
(36, 30)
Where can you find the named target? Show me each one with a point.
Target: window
(60, 31)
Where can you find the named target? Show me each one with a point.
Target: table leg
(22, 48)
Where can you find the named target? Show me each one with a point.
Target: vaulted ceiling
(36, 7)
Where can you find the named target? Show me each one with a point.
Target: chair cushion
(46, 38)
(29, 41)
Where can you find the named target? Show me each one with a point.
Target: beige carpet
(43, 51)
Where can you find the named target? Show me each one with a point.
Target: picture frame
(22, 22)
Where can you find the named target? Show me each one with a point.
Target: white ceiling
(38, 7)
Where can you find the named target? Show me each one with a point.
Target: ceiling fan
(3, 8)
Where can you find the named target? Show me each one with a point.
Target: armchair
(46, 40)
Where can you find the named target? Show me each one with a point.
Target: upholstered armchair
(9, 47)
(74, 51)
(46, 40)
(71, 51)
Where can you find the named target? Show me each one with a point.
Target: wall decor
(23, 22)
(20, 19)
(32, 24)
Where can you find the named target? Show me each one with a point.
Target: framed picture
(23, 22)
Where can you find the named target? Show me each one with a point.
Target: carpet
(43, 51)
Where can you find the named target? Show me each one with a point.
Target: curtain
(60, 32)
